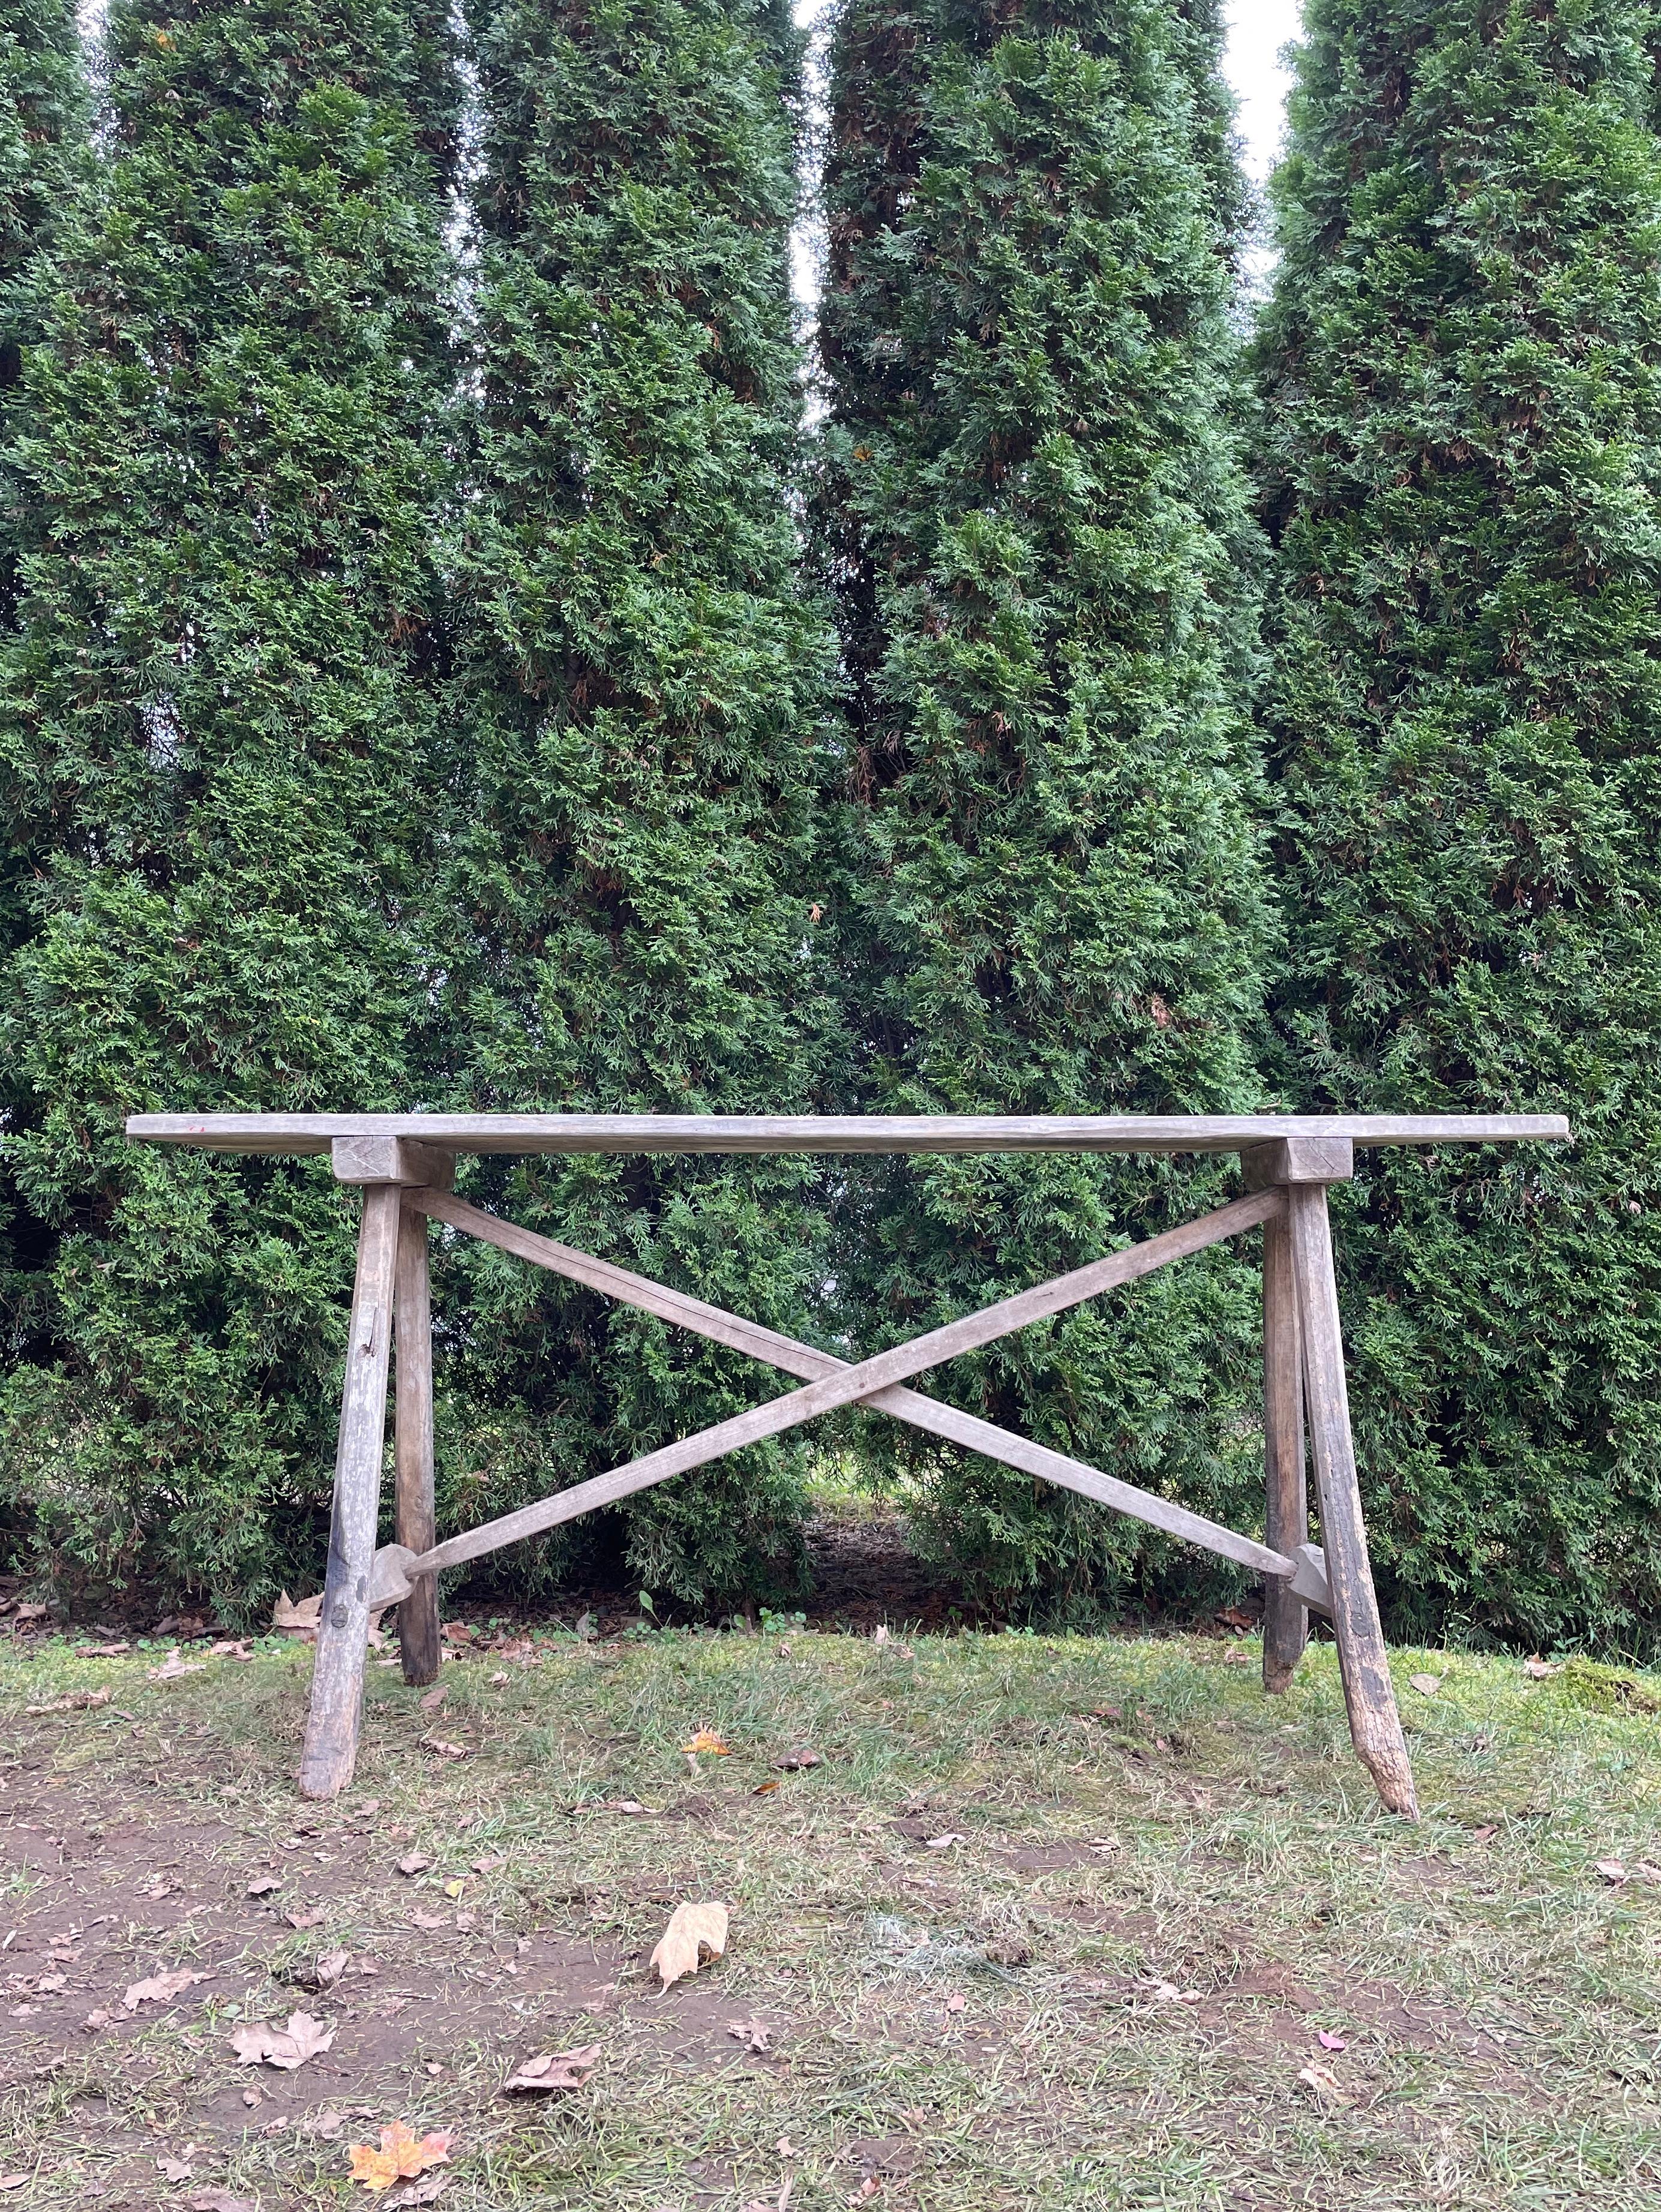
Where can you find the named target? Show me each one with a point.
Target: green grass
(1497, 1997)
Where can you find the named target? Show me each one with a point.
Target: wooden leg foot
(343, 1637)
(1375, 1725)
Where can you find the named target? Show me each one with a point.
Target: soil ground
(1042, 1922)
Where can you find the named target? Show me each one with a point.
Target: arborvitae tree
(1035, 519)
(1463, 431)
(43, 127)
(212, 727)
(640, 682)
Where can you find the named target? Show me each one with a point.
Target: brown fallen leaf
(955, 2001)
(1233, 1617)
(232, 1648)
(1612, 1871)
(441, 1748)
(944, 1842)
(94, 2020)
(329, 1968)
(1538, 1669)
(175, 2169)
(794, 1762)
(263, 1884)
(310, 1916)
(402, 2155)
(1426, 1685)
(1236, 1656)
(47, 1985)
(286, 2048)
(707, 1739)
(489, 1865)
(557, 2069)
(419, 2192)
(15, 2180)
(434, 1698)
(430, 1919)
(77, 1701)
(498, 1678)
(172, 1666)
(765, 1788)
(413, 1862)
(221, 2200)
(1324, 2083)
(754, 2034)
(301, 1618)
(868, 2188)
(160, 1989)
(692, 1930)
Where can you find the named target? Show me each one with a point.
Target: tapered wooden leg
(1375, 1726)
(1285, 1519)
(343, 1635)
(418, 1614)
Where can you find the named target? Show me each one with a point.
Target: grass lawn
(1053, 1923)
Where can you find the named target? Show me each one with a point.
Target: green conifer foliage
(1034, 515)
(640, 680)
(43, 124)
(212, 727)
(1462, 464)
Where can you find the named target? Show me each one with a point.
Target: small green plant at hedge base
(1462, 455)
(1033, 512)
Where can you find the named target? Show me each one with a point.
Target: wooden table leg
(1375, 1725)
(418, 1614)
(342, 1636)
(1286, 1521)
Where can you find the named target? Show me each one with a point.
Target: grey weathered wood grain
(391, 1159)
(1285, 1519)
(331, 1726)
(909, 1406)
(418, 1614)
(1375, 1725)
(1297, 1159)
(764, 1133)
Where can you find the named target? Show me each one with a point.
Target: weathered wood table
(406, 1164)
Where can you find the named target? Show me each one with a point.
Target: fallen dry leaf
(1236, 1656)
(420, 2193)
(232, 1648)
(160, 1989)
(1426, 1685)
(625, 1805)
(174, 2169)
(765, 1788)
(1330, 2042)
(434, 1698)
(489, 1865)
(77, 1701)
(412, 1862)
(441, 1748)
(282, 2047)
(944, 1842)
(955, 2001)
(263, 1884)
(330, 1967)
(94, 2020)
(172, 1666)
(1324, 2083)
(707, 1739)
(302, 1617)
(754, 2034)
(1538, 1668)
(310, 1916)
(1612, 1871)
(100, 1651)
(16, 2180)
(793, 1762)
(402, 2155)
(47, 1985)
(867, 2189)
(498, 1678)
(221, 2200)
(555, 2070)
(1169, 1993)
(430, 1919)
(692, 1930)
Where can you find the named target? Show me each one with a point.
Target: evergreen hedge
(1463, 458)
(639, 684)
(215, 728)
(1034, 516)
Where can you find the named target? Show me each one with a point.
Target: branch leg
(1375, 1725)
(418, 1614)
(343, 1637)
(1285, 1519)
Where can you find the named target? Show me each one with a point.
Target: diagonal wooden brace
(394, 1564)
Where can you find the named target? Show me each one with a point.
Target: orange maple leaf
(402, 2155)
(707, 1739)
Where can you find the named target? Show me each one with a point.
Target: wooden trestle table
(405, 1165)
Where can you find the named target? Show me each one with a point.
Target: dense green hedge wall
(638, 690)
(1463, 426)
(214, 737)
(1034, 517)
